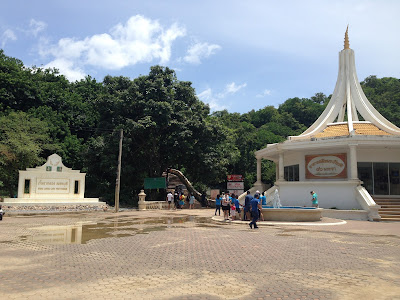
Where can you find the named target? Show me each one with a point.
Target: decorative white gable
(53, 164)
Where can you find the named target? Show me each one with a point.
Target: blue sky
(239, 55)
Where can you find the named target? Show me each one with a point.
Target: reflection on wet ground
(111, 227)
(126, 225)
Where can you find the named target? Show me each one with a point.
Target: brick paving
(184, 255)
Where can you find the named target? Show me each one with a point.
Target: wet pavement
(187, 254)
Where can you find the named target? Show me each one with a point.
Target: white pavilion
(350, 156)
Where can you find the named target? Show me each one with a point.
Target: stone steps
(390, 209)
(395, 219)
(385, 206)
(394, 211)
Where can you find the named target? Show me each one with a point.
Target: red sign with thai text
(326, 166)
(235, 177)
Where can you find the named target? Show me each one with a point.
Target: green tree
(22, 140)
(17, 89)
(305, 110)
(384, 95)
(165, 125)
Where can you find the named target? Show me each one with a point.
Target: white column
(21, 186)
(142, 200)
(353, 161)
(276, 171)
(281, 168)
(82, 187)
(258, 171)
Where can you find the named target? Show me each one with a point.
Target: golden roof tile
(343, 130)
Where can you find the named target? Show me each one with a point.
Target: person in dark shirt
(247, 200)
(176, 200)
(204, 199)
(255, 206)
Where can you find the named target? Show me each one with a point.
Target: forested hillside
(164, 123)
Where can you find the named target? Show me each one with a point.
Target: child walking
(233, 211)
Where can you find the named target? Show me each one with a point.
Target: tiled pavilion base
(181, 258)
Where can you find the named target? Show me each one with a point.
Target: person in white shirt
(170, 198)
(226, 205)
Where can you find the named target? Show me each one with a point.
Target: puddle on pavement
(7, 242)
(380, 242)
(83, 232)
(293, 229)
(30, 216)
(285, 234)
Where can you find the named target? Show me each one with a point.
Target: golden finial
(346, 39)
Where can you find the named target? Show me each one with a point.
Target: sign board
(155, 183)
(235, 177)
(52, 186)
(235, 185)
(326, 166)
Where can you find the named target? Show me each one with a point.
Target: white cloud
(207, 97)
(264, 93)
(171, 34)
(200, 50)
(36, 26)
(139, 40)
(67, 68)
(8, 35)
(231, 88)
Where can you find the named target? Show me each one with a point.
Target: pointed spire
(348, 99)
(346, 39)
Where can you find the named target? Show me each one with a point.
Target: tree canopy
(164, 123)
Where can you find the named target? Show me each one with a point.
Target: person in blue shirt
(255, 206)
(263, 199)
(314, 199)
(230, 202)
(236, 202)
(218, 205)
(247, 206)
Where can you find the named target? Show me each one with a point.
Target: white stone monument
(51, 183)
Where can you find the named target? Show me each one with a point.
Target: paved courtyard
(186, 255)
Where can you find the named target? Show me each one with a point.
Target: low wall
(146, 205)
(38, 200)
(18, 208)
(292, 214)
(361, 215)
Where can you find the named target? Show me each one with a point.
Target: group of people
(178, 200)
(230, 205)
(252, 206)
